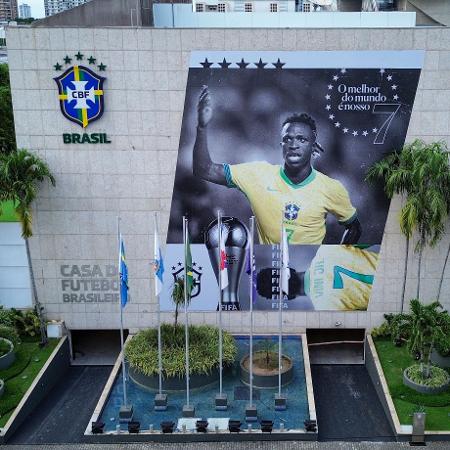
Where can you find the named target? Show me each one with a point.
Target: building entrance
(334, 346)
(95, 347)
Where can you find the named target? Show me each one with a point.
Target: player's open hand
(205, 110)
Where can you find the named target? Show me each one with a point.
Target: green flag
(188, 262)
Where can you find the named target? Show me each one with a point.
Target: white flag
(223, 270)
(285, 272)
(158, 264)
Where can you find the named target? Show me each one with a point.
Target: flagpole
(220, 300)
(160, 398)
(159, 317)
(121, 314)
(186, 324)
(280, 307)
(252, 230)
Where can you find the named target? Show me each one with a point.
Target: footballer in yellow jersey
(340, 278)
(304, 206)
(295, 191)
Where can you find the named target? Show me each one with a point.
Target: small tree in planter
(178, 297)
(266, 354)
(426, 329)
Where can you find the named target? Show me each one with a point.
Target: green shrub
(27, 322)
(9, 333)
(438, 377)
(382, 331)
(442, 344)
(7, 317)
(5, 347)
(142, 350)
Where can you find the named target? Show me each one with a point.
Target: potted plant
(7, 355)
(265, 366)
(142, 354)
(426, 328)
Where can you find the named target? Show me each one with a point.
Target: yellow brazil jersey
(340, 278)
(304, 206)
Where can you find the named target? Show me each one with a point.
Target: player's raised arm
(202, 164)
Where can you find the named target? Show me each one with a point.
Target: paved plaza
(235, 446)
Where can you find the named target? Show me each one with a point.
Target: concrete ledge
(48, 376)
(105, 393)
(308, 378)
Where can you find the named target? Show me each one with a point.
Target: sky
(37, 7)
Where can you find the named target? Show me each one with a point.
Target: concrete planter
(438, 360)
(173, 384)
(2, 388)
(8, 359)
(421, 388)
(267, 380)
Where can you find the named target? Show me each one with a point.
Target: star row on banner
(224, 64)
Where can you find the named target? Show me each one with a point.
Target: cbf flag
(223, 260)
(285, 272)
(158, 265)
(123, 272)
(188, 263)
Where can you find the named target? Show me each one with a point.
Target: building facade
(56, 6)
(8, 10)
(24, 11)
(131, 172)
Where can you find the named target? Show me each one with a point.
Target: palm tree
(178, 297)
(20, 173)
(421, 173)
(426, 328)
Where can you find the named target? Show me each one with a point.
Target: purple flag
(250, 261)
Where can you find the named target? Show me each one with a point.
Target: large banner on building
(288, 137)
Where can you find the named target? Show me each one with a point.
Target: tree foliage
(425, 327)
(20, 173)
(7, 133)
(421, 173)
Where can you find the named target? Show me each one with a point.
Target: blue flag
(158, 265)
(123, 271)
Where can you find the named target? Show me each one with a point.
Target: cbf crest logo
(291, 211)
(80, 89)
(178, 272)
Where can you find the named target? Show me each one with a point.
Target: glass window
(274, 7)
(221, 7)
(199, 7)
(248, 7)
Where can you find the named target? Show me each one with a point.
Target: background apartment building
(24, 11)
(274, 6)
(8, 10)
(57, 6)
